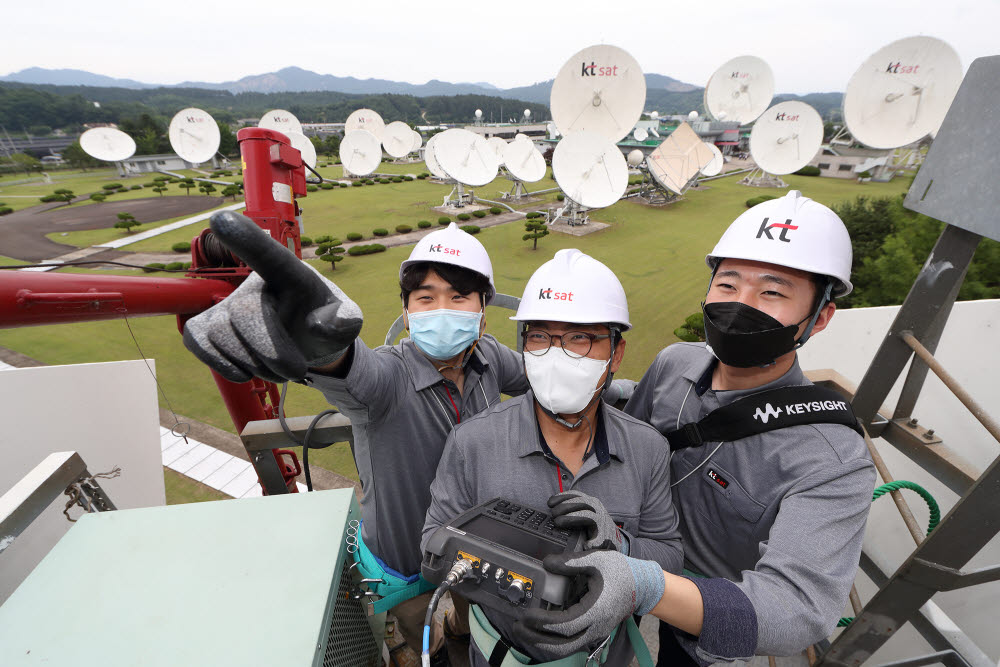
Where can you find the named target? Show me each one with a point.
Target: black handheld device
(505, 542)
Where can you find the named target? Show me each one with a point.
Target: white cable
(704, 460)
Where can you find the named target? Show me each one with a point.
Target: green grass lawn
(181, 489)
(657, 253)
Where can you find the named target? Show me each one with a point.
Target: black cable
(83, 262)
(305, 442)
(315, 172)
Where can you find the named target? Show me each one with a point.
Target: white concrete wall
(969, 351)
(107, 412)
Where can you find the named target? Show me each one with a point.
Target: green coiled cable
(932, 522)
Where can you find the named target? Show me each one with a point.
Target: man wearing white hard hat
(560, 445)
(772, 479)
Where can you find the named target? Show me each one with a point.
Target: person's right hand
(284, 319)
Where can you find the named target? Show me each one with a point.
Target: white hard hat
(792, 231)
(453, 246)
(574, 287)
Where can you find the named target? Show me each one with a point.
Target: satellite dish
(552, 129)
(397, 139)
(678, 159)
(466, 157)
(640, 134)
(499, 146)
(418, 141)
(430, 159)
(365, 119)
(304, 145)
(786, 137)
(693, 115)
(479, 113)
(360, 152)
(523, 161)
(741, 88)
(721, 115)
(599, 89)
(108, 144)
(522, 137)
(713, 168)
(635, 158)
(590, 169)
(280, 120)
(527, 113)
(193, 135)
(654, 115)
(653, 131)
(888, 107)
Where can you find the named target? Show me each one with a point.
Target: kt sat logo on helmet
(547, 293)
(442, 249)
(785, 227)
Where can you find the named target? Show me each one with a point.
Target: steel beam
(35, 492)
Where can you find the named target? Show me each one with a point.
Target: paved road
(22, 233)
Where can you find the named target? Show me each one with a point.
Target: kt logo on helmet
(593, 70)
(554, 296)
(447, 251)
(765, 229)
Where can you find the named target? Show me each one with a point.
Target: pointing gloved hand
(283, 319)
(617, 586)
(573, 509)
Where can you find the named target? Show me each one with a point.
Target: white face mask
(561, 384)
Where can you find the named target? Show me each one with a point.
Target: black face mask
(744, 337)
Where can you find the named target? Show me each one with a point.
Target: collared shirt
(499, 453)
(401, 409)
(775, 520)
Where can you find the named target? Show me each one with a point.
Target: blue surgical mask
(444, 333)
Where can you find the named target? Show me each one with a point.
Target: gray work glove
(617, 587)
(283, 319)
(573, 509)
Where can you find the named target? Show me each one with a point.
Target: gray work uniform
(776, 520)
(500, 453)
(401, 409)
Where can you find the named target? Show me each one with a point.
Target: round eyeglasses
(575, 344)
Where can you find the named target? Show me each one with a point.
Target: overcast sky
(812, 46)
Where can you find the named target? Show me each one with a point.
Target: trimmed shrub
(424, 224)
(397, 179)
(444, 221)
(366, 249)
(471, 229)
(181, 246)
(357, 184)
(311, 188)
(343, 185)
(479, 214)
(808, 170)
(421, 176)
(354, 236)
(136, 187)
(384, 180)
(496, 210)
(187, 265)
(154, 266)
(46, 199)
(174, 266)
(561, 196)
(531, 215)
(381, 231)
(98, 197)
(4, 210)
(369, 181)
(326, 238)
(404, 229)
(305, 241)
(407, 178)
(327, 186)
(753, 201)
(112, 186)
(464, 217)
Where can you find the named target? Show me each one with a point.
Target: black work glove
(573, 509)
(283, 319)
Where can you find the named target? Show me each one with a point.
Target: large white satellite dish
(304, 145)
(418, 141)
(599, 89)
(654, 115)
(430, 159)
(365, 119)
(678, 159)
(193, 135)
(397, 139)
(635, 158)
(466, 157)
(523, 161)
(640, 134)
(108, 144)
(741, 88)
(902, 92)
(590, 169)
(713, 168)
(653, 131)
(280, 120)
(786, 137)
(499, 146)
(522, 137)
(360, 152)
(552, 129)
(693, 115)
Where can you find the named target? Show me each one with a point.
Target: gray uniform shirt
(402, 409)
(498, 453)
(776, 520)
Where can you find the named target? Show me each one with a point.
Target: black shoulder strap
(767, 411)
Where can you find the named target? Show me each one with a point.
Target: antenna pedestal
(459, 197)
(758, 178)
(572, 214)
(651, 193)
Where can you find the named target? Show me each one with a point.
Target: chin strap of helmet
(823, 299)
